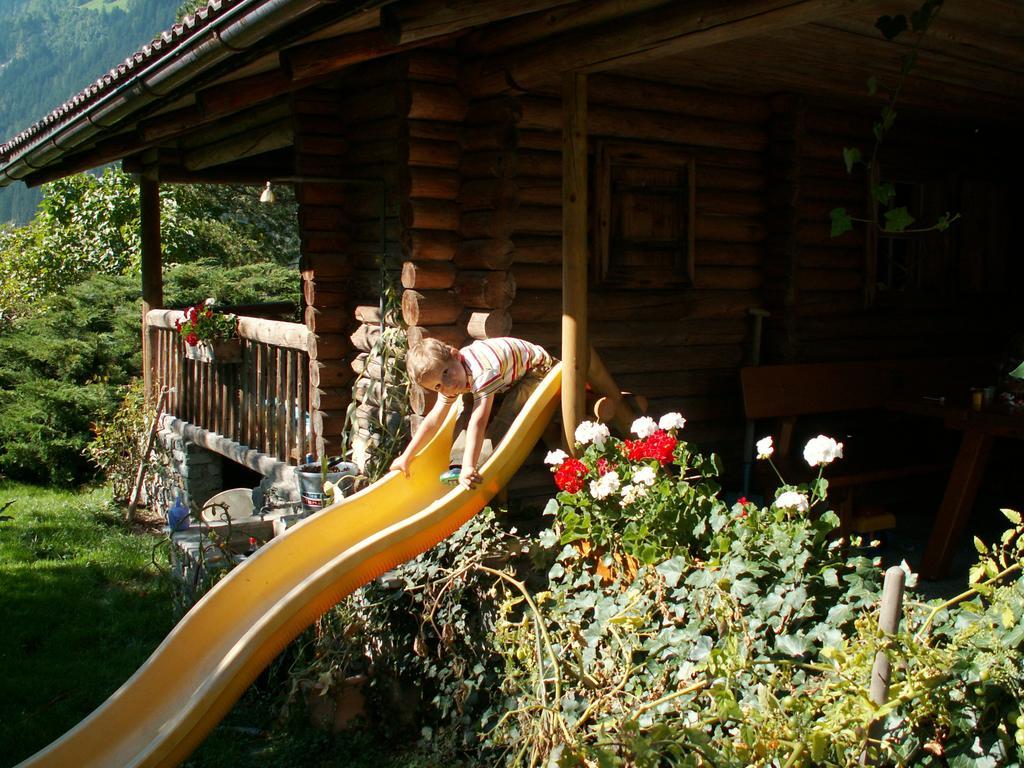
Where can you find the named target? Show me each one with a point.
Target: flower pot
(219, 351)
(311, 483)
(334, 709)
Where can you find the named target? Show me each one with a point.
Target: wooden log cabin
(646, 179)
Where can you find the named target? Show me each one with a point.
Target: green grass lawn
(81, 606)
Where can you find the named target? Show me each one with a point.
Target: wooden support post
(888, 622)
(574, 252)
(152, 277)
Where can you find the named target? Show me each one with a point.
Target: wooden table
(979, 428)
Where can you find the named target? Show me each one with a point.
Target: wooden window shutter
(644, 205)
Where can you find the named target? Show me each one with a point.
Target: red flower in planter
(569, 476)
(660, 446)
(203, 323)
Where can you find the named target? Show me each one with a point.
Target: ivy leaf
(888, 118)
(841, 222)
(891, 26)
(883, 193)
(907, 62)
(1012, 515)
(851, 156)
(898, 219)
(671, 570)
(943, 223)
(792, 645)
(922, 17)
(701, 648)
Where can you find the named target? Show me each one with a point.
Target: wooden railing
(261, 402)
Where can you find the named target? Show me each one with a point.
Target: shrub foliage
(745, 638)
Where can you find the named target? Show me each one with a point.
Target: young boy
(483, 369)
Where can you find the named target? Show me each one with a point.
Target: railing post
(888, 622)
(574, 252)
(152, 277)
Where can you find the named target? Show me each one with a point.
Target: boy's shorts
(505, 412)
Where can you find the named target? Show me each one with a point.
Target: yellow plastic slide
(191, 681)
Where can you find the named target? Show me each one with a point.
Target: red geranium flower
(660, 446)
(569, 476)
(192, 339)
(604, 467)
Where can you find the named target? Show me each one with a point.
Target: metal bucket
(311, 483)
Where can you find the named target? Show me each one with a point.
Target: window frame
(609, 154)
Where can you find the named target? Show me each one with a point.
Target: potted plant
(210, 336)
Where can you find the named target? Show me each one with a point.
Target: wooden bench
(790, 392)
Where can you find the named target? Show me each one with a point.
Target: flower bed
(717, 634)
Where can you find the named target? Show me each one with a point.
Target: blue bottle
(177, 515)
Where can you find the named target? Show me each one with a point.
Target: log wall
(681, 348)
(327, 263)
(831, 313)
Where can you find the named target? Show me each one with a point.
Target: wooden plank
(417, 20)
(575, 345)
(152, 275)
(968, 470)
(654, 34)
(254, 141)
(290, 392)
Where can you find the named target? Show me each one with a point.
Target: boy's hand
(401, 464)
(469, 478)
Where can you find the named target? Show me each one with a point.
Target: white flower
(555, 458)
(765, 448)
(672, 420)
(210, 301)
(822, 450)
(630, 493)
(792, 500)
(605, 485)
(591, 432)
(644, 476)
(645, 426)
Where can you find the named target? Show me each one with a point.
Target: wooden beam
(102, 152)
(574, 253)
(257, 117)
(423, 19)
(664, 31)
(236, 95)
(255, 141)
(152, 277)
(277, 166)
(527, 29)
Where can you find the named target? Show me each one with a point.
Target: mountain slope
(51, 49)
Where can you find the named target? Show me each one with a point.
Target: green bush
(117, 447)
(62, 368)
(90, 224)
(748, 638)
(189, 284)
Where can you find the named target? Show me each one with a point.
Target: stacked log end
(429, 219)
(326, 261)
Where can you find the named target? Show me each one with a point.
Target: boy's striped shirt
(496, 364)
